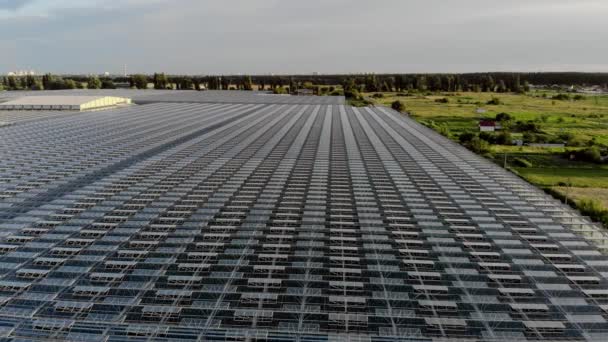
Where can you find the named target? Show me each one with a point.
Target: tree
(186, 83)
(279, 90)
(504, 138)
(14, 83)
(528, 126)
(398, 106)
(197, 83)
(292, 86)
(93, 82)
(247, 83)
(224, 83)
(590, 154)
(502, 117)
(139, 81)
(69, 84)
(160, 81)
(517, 84)
(478, 145)
(213, 83)
(30, 81)
(435, 83)
(47, 79)
(56, 83)
(491, 84)
(349, 85)
(389, 84)
(466, 137)
(371, 83)
(107, 84)
(502, 87)
(420, 83)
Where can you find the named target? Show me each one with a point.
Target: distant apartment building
(22, 73)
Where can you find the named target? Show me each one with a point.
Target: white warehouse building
(77, 103)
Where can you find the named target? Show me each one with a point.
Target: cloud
(277, 36)
(13, 5)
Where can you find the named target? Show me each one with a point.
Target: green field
(576, 177)
(586, 118)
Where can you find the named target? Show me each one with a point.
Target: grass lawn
(598, 194)
(577, 177)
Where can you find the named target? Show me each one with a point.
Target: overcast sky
(303, 36)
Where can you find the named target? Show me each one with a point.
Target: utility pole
(566, 195)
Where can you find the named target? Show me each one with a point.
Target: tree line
(53, 82)
(484, 82)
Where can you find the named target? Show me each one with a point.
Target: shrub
(359, 102)
(466, 137)
(504, 138)
(590, 154)
(495, 101)
(561, 97)
(592, 142)
(444, 130)
(107, 84)
(573, 140)
(540, 138)
(443, 100)
(529, 126)
(594, 210)
(488, 136)
(351, 94)
(378, 95)
(578, 97)
(529, 137)
(500, 117)
(398, 106)
(589, 205)
(521, 162)
(70, 84)
(478, 145)
(35, 86)
(279, 90)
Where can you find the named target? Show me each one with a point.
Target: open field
(588, 116)
(600, 195)
(577, 177)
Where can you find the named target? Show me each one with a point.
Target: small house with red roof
(489, 126)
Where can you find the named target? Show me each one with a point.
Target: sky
(303, 36)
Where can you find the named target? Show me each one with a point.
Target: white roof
(52, 100)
